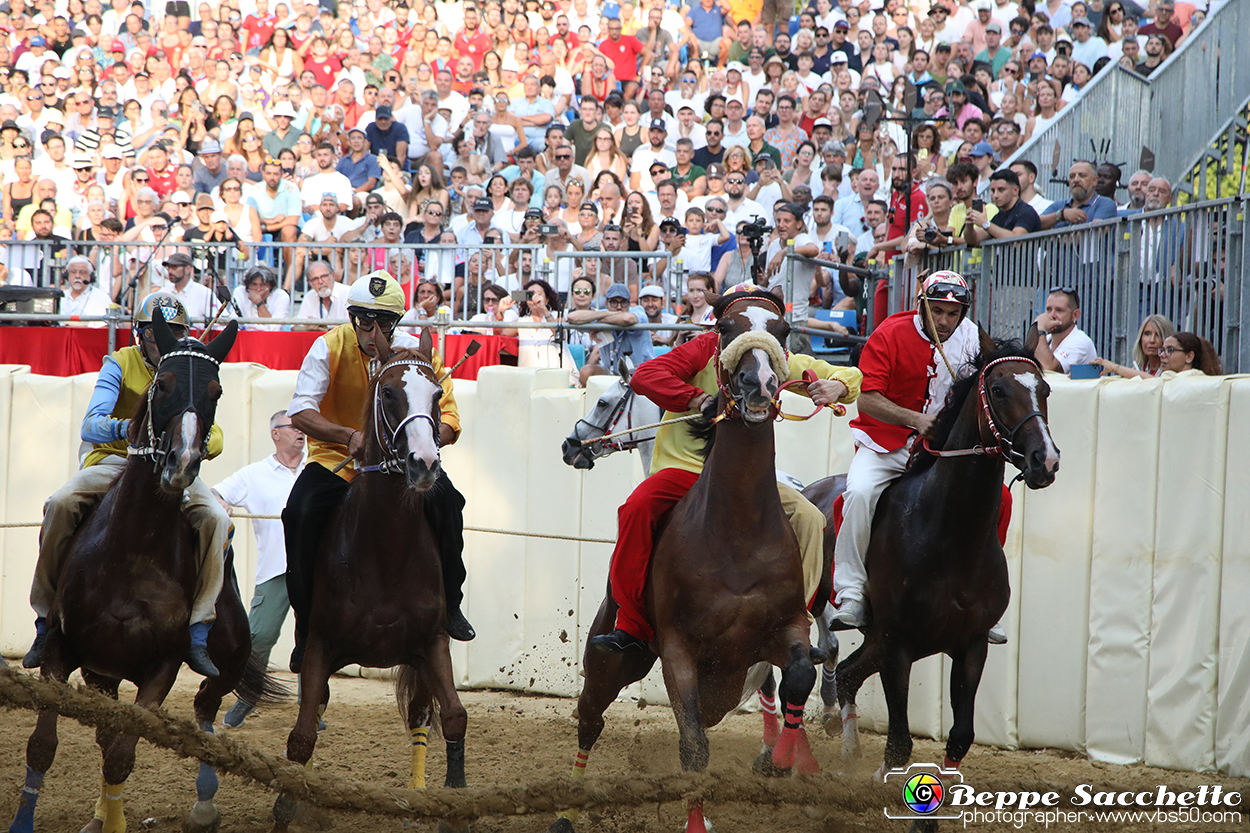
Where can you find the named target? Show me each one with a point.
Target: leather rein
(392, 463)
(608, 433)
(1004, 440)
(152, 449)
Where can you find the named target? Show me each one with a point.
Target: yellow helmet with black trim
(376, 294)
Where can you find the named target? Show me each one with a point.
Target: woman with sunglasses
(497, 306)
(19, 191)
(1111, 26)
(539, 347)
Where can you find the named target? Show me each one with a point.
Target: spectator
(326, 298)
(1084, 205)
(636, 343)
(328, 225)
(1026, 172)
(581, 132)
(200, 301)
(262, 488)
(207, 178)
(81, 296)
(651, 298)
(789, 221)
(1156, 53)
(1147, 362)
(1054, 338)
(534, 111)
(1137, 185)
(622, 50)
(850, 211)
(1164, 23)
(497, 306)
(388, 138)
(259, 297)
(1183, 352)
(982, 156)
(1087, 47)
(326, 180)
(1014, 218)
(1108, 180)
(360, 167)
(711, 22)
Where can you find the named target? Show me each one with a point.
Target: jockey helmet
(376, 295)
(171, 309)
(946, 286)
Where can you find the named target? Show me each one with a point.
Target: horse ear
(221, 345)
(426, 345)
(624, 367)
(165, 341)
(384, 348)
(988, 347)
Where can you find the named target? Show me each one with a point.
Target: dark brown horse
(377, 593)
(725, 590)
(124, 596)
(937, 573)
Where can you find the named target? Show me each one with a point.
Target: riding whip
(924, 302)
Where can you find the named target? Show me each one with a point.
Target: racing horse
(377, 594)
(725, 589)
(937, 573)
(619, 408)
(125, 593)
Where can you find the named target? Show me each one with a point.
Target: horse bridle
(154, 442)
(392, 463)
(1004, 447)
(622, 409)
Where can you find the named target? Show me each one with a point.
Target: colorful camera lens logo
(923, 793)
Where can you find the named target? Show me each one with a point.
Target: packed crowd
(340, 131)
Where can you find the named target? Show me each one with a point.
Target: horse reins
(391, 463)
(622, 409)
(1005, 440)
(151, 450)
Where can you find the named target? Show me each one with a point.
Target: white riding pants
(870, 472)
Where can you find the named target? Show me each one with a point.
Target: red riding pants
(637, 520)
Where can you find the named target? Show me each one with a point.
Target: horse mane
(704, 431)
(921, 461)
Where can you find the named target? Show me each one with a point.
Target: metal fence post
(789, 301)
(1237, 300)
(115, 319)
(1122, 300)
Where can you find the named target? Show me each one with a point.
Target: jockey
(683, 382)
(905, 385)
(121, 385)
(330, 395)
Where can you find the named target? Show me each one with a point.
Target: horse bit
(391, 462)
(1005, 448)
(152, 449)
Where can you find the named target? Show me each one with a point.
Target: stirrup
(619, 642)
(34, 657)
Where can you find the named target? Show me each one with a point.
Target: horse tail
(260, 688)
(417, 703)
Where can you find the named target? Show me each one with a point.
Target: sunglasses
(583, 293)
(141, 179)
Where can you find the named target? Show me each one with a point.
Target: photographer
(789, 219)
(933, 232)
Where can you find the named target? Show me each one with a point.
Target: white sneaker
(850, 614)
(998, 635)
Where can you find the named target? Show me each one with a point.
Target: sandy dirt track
(516, 739)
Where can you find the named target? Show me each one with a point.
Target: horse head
(751, 361)
(182, 402)
(1013, 399)
(404, 415)
(577, 450)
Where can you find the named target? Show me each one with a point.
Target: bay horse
(937, 573)
(725, 590)
(124, 597)
(377, 588)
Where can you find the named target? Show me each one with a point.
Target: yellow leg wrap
(101, 803)
(420, 736)
(579, 772)
(114, 817)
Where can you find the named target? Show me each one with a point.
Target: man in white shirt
(645, 155)
(789, 222)
(1064, 343)
(262, 489)
(449, 99)
(329, 225)
(199, 300)
(735, 125)
(1087, 47)
(260, 297)
(326, 298)
(687, 92)
(739, 209)
(327, 180)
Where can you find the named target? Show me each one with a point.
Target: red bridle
(1004, 447)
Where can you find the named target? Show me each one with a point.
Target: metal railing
(1186, 263)
(1191, 98)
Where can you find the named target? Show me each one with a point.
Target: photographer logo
(925, 791)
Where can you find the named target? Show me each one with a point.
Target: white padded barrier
(1054, 580)
(14, 578)
(1122, 573)
(1185, 613)
(1232, 722)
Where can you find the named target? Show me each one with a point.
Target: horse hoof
(93, 826)
(204, 818)
(284, 808)
(561, 826)
(763, 765)
(817, 655)
(832, 722)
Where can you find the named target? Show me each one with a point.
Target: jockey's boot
(197, 657)
(998, 635)
(850, 614)
(458, 627)
(619, 642)
(34, 657)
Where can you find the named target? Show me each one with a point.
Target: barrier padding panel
(17, 638)
(1054, 579)
(803, 447)
(1122, 570)
(1185, 613)
(458, 463)
(1232, 719)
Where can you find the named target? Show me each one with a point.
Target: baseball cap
(81, 161)
(9, 124)
(374, 198)
(838, 57)
(117, 46)
(483, 204)
(112, 152)
(670, 222)
(993, 26)
(716, 171)
(203, 201)
(283, 108)
(533, 214)
(210, 146)
(981, 149)
(755, 50)
(1081, 21)
(842, 24)
(106, 111)
(649, 292)
(735, 66)
(219, 216)
(38, 41)
(983, 6)
(1041, 55)
(822, 122)
(357, 129)
(54, 116)
(383, 112)
(179, 259)
(180, 198)
(955, 87)
(1063, 37)
(617, 290)
(62, 72)
(659, 124)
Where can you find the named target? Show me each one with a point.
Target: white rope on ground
(255, 517)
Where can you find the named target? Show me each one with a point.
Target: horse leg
(827, 640)
(41, 748)
(119, 758)
(104, 738)
(763, 763)
(797, 681)
(896, 682)
(440, 683)
(314, 690)
(966, 667)
(681, 678)
(606, 675)
(204, 816)
(851, 673)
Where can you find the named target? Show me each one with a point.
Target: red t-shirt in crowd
(258, 30)
(475, 46)
(325, 69)
(163, 182)
(624, 55)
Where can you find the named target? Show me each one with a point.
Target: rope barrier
(255, 517)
